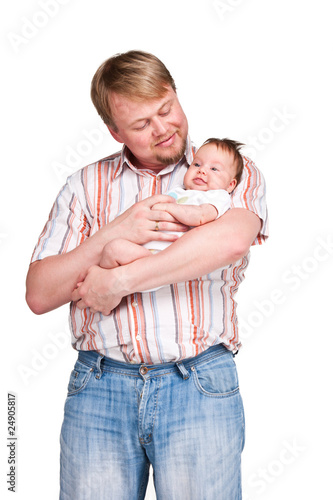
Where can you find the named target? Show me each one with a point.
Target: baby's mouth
(199, 181)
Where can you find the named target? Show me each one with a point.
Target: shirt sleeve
(66, 228)
(250, 194)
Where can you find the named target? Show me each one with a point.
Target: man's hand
(100, 291)
(138, 223)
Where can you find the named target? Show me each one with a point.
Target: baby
(214, 173)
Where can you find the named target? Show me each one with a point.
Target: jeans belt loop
(98, 367)
(185, 374)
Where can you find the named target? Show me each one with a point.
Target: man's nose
(159, 127)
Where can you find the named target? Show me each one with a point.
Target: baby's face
(211, 168)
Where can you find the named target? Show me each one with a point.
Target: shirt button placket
(136, 336)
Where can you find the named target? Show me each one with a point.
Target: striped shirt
(173, 322)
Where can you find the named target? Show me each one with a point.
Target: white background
(257, 71)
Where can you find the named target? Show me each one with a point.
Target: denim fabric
(185, 419)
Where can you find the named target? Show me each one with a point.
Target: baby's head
(218, 164)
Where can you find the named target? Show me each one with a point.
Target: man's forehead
(135, 108)
(118, 100)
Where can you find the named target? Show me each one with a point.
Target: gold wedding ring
(156, 225)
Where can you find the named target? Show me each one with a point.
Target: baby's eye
(214, 169)
(196, 164)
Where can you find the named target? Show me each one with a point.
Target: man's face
(211, 168)
(155, 131)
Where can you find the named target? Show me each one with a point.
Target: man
(155, 381)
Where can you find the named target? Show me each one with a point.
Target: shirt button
(134, 304)
(138, 337)
(143, 370)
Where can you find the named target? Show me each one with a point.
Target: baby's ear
(232, 186)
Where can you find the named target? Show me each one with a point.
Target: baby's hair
(234, 148)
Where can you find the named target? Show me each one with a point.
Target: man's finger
(158, 198)
(172, 226)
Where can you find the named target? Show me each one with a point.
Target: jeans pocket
(217, 378)
(79, 378)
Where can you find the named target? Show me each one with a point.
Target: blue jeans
(185, 419)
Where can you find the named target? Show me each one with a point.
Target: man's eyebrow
(166, 104)
(146, 118)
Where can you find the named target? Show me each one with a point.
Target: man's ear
(115, 135)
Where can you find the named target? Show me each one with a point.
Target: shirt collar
(187, 158)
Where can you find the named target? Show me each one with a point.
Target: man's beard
(172, 159)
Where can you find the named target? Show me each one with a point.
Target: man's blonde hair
(135, 74)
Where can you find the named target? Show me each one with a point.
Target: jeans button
(143, 370)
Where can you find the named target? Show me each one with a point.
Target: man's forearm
(51, 281)
(199, 252)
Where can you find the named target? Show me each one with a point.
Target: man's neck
(155, 167)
